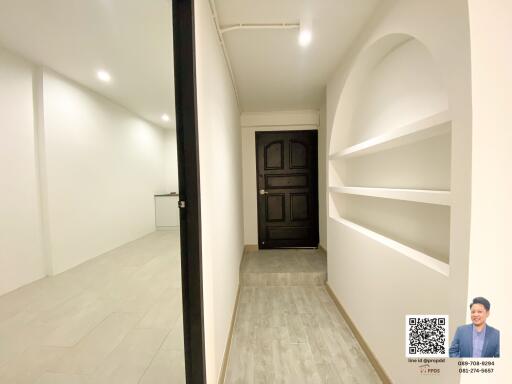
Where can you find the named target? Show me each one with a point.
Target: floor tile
(88, 354)
(167, 367)
(288, 330)
(130, 360)
(105, 321)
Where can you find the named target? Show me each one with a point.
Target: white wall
(221, 188)
(78, 173)
(394, 284)
(260, 122)
(103, 166)
(404, 87)
(21, 256)
(490, 261)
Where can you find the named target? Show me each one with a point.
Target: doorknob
(263, 192)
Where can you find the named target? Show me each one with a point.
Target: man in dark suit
(477, 339)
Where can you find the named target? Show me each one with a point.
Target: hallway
(376, 130)
(114, 319)
(288, 329)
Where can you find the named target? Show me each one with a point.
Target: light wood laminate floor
(115, 319)
(284, 267)
(292, 333)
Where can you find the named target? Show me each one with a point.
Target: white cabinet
(166, 211)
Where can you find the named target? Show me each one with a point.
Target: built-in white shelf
(405, 250)
(434, 125)
(417, 195)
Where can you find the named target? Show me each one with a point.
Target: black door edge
(188, 175)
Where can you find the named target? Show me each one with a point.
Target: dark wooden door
(287, 173)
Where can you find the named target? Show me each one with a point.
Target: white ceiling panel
(132, 39)
(271, 70)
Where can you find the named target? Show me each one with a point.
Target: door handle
(263, 192)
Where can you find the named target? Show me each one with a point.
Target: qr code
(426, 336)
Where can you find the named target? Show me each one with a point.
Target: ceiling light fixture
(165, 117)
(104, 76)
(304, 38)
(305, 35)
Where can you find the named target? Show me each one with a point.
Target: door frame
(189, 189)
(316, 184)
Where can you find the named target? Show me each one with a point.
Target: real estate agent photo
(477, 339)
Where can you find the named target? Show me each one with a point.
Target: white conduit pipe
(234, 27)
(226, 57)
(220, 31)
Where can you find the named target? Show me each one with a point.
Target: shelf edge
(420, 257)
(436, 197)
(425, 128)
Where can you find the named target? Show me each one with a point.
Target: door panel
(298, 155)
(287, 189)
(286, 181)
(275, 207)
(286, 233)
(299, 204)
(274, 155)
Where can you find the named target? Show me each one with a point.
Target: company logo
(425, 369)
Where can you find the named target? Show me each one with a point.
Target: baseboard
(225, 360)
(373, 360)
(250, 248)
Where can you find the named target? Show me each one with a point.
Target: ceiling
(271, 70)
(131, 39)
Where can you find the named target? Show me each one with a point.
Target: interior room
(338, 166)
(392, 89)
(90, 276)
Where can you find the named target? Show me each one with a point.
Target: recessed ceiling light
(165, 117)
(305, 37)
(104, 75)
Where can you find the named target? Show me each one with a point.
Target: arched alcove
(390, 151)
